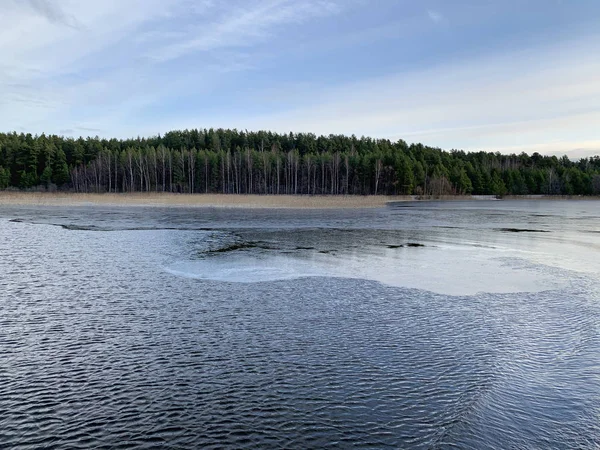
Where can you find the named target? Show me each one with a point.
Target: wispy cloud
(435, 16)
(243, 26)
(539, 98)
(96, 69)
(129, 67)
(52, 12)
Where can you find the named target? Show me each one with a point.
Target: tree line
(242, 162)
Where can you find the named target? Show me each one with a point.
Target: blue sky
(505, 76)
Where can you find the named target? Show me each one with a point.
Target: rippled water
(465, 325)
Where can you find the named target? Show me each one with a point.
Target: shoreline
(170, 200)
(153, 199)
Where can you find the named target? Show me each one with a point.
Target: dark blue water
(414, 326)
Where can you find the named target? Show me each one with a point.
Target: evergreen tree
(232, 161)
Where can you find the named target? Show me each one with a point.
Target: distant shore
(197, 200)
(153, 199)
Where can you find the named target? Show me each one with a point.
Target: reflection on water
(421, 326)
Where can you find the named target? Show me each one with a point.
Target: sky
(493, 75)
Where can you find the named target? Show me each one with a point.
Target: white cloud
(546, 97)
(79, 66)
(244, 27)
(68, 61)
(52, 12)
(435, 16)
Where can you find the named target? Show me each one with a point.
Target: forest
(242, 162)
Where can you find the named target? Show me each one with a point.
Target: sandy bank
(236, 201)
(196, 200)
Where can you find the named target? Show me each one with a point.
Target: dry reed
(195, 200)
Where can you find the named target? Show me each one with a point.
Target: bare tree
(378, 168)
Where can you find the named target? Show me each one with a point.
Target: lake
(418, 325)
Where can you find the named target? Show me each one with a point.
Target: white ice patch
(243, 269)
(456, 271)
(451, 271)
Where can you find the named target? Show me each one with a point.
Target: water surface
(420, 325)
